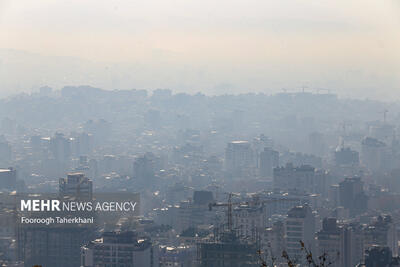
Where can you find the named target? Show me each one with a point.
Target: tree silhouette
(322, 261)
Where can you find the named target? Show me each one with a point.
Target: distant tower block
(239, 159)
(76, 185)
(269, 159)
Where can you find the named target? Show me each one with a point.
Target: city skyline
(215, 48)
(166, 133)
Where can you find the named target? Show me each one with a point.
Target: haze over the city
(217, 47)
(165, 133)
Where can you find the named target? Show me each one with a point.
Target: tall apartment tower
(302, 179)
(375, 154)
(274, 240)
(383, 233)
(228, 251)
(346, 157)
(239, 159)
(144, 167)
(329, 242)
(269, 159)
(123, 249)
(343, 244)
(52, 245)
(300, 226)
(249, 221)
(76, 185)
(60, 147)
(352, 245)
(352, 196)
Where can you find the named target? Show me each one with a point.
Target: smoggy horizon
(214, 48)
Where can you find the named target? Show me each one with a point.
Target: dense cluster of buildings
(214, 190)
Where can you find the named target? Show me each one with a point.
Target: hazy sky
(215, 46)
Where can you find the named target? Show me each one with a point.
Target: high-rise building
(8, 178)
(144, 167)
(329, 242)
(303, 179)
(122, 249)
(352, 196)
(258, 144)
(380, 257)
(375, 154)
(382, 232)
(60, 147)
(249, 221)
(352, 245)
(239, 159)
(299, 159)
(382, 131)
(273, 242)
(182, 256)
(344, 245)
(269, 159)
(279, 203)
(52, 245)
(228, 251)
(290, 178)
(334, 196)
(81, 144)
(76, 185)
(300, 226)
(346, 157)
(191, 214)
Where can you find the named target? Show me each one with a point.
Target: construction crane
(230, 204)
